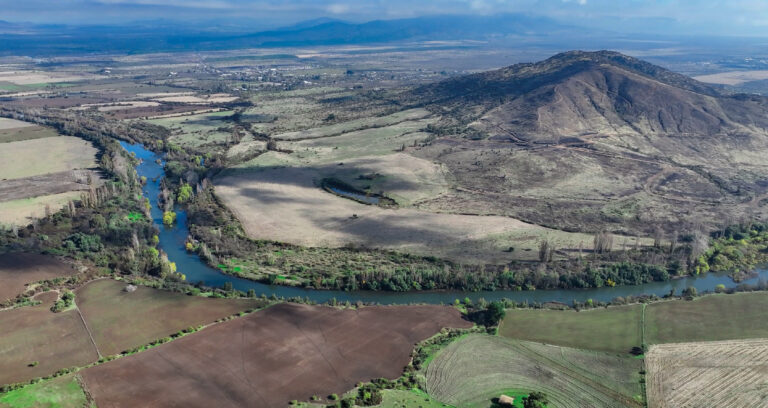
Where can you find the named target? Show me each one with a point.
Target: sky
(717, 17)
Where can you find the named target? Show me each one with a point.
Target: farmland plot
(266, 359)
(475, 369)
(120, 320)
(19, 269)
(35, 334)
(708, 374)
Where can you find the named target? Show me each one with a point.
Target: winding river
(172, 242)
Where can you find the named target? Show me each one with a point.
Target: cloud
(580, 2)
(337, 8)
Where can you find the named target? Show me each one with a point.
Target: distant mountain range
(27, 39)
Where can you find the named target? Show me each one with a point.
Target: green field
(409, 399)
(62, 392)
(708, 318)
(472, 371)
(616, 329)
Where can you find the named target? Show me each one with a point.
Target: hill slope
(588, 140)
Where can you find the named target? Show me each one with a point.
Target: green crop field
(62, 392)
(708, 318)
(472, 371)
(616, 329)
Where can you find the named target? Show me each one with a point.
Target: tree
(535, 400)
(169, 218)
(496, 313)
(185, 193)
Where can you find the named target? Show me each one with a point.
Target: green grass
(615, 329)
(62, 392)
(472, 371)
(708, 318)
(517, 395)
(409, 399)
(134, 216)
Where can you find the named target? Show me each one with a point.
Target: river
(172, 241)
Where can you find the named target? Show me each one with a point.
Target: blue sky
(734, 17)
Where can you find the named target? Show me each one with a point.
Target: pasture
(408, 399)
(120, 320)
(708, 374)
(615, 329)
(307, 350)
(476, 368)
(19, 269)
(61, 392)
(707, 318)
(35, 334)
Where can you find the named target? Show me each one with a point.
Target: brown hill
(587, 140)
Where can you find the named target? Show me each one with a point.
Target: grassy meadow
(615, 329)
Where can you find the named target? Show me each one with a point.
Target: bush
(66, 300)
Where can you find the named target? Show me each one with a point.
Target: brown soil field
(19, 269)
(120, 320)
(269, 358)
(708, 374)
(54, 340)
(59, 102)
(46, 184)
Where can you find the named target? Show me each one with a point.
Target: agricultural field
(17, 270)
(408, 399)
(197, 129)
(61, 392)
(12, 130)
(40, 172)
(49, 155)
(475, 369)
(733, 77)
(37, 342)
(293, 343)
(120, 320)
(615, 329)
(708, 318)
(713, 374)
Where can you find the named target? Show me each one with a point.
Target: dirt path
(88, 330)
